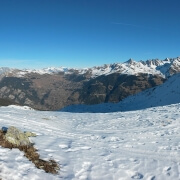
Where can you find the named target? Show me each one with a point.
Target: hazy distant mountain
(55, 88)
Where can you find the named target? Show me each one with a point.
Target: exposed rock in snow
(16, 137)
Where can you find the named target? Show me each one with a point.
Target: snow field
(121, 146)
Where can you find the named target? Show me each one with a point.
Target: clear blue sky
(85, 33)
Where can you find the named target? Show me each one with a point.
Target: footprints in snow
(68, 147)
(166, 170)
(137, 176)
(84, 172)
(78, 148)
(63, 146)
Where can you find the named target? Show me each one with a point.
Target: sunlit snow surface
(122, 145)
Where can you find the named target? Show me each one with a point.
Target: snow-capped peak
(49, 70)
(164, 68)
(4, 70)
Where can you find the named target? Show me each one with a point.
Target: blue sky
(86, 33)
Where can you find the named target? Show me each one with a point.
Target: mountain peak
(164, 68)
(130, 61)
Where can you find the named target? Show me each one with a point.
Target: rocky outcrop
(18, 138)
(14, 138)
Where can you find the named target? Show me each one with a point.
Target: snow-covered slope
(165, 94)
(164, 68)
(111, 146)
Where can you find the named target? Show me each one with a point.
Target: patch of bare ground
(30, 152)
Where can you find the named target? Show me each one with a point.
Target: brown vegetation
(30, 152)
(56, 91)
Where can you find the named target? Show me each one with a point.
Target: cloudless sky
(86, 33)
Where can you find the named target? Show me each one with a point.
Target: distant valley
(56, 88)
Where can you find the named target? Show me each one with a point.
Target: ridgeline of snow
(165, 94)
(131, 67)
(123, 145)
(50, 70)
(5, 70)
(163, 68)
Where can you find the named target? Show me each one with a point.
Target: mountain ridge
(152, 66)
(53, 89)
(165, 94)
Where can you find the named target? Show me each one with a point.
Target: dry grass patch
(30, 152)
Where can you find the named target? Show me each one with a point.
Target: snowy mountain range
(165, 68)
(56, 88)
